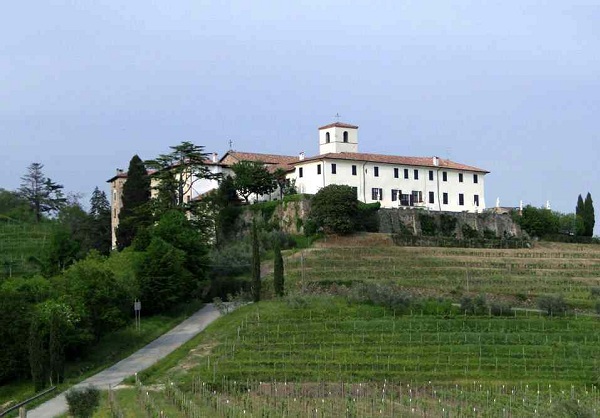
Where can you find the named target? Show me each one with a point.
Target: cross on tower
(230, 144)
(337, 116)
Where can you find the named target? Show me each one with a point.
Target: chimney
(436, 161)
(301, 156)
(214, 157)
(120, 171)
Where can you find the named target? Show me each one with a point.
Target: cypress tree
(255, 264)
(134, 213)
(579, 216)
(278, 280)
(589, 218)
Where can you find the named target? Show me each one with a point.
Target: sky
(510, 86)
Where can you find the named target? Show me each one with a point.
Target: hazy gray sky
(512, 86)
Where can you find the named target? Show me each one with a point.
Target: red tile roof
(265, 158)
(393, 159)
(339, 125)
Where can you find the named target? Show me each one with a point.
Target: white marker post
(137, 307)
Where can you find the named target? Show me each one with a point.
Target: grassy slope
(20, 241)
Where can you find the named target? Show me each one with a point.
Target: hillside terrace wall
(391, 221)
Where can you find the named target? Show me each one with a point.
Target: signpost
(137, 307)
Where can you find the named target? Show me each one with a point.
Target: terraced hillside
(20, 245)
(518, 276)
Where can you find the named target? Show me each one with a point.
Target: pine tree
(134, 214)
(278, 280)
(256, 284)
(43, 195)
(589, 218)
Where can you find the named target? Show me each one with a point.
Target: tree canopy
(252, 177)
(42, 194)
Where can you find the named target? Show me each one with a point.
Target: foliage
(335, 209)
(163, 278)
(447, 224)
(176, 173)
(14, 207)
(100, 223)
(134, 214)
(367, 219)
(102, 301)
(83, 402)
(278, 273)
(474, 306)
(231, 260)
(589, 218)
(15, 317)
(252, 177)
(62, 252)
(539, 222)
(429, 227)
(256, 280)
(553, 305)
(226, 209)
(469, 232)
(42, 194)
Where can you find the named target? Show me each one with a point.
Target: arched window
(327, 137)
(345, 136)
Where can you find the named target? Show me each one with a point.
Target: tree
(589, 218)
(42, 194)
(134, 214)
(252, 177)
(335, 209)
(579, 217)
(278, 278)
(177, 172)
(256, 284)
(99, 213)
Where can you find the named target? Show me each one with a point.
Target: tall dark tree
(134, 214)
(252, 177)
(579, 215)
(278, 279)
(42, 194)
(256, 284)
(100, 222)
(177, 172)
(589, 218)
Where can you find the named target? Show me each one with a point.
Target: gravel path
(138, 361)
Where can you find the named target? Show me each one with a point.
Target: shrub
(367, 219)
(469, 232)
(83, 402)
(335, 208)
(595, 292)
(447, 225)
(553, 305)
(476, 306)
(232, 260)
(500, 309)
(428, 225)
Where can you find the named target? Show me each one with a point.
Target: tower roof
(339, 125)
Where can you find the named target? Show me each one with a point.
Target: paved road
(136, 362)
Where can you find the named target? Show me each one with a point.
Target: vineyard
(518, 276)
(318, 355)
(21, 244)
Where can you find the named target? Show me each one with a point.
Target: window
(319, 169)
(353, 170)
(327, 137)
(345, 136)
(460, 177)
(115, 213)
(406, 173)
(416, 197)
(445, 198)
(476, 200)
(444, 176)
(461, 199)
(431, 197)
(396, 173)
(333, 169)
(394, 195)
(300, 172)
(376, 171)
(376, 194)
(416, 172)
(431, 175)
(355, 190)
(475, 178)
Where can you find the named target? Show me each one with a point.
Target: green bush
(335, 209)
(474, 306)
(553, 305)
(470, 233)
(231, 260)
(447, 225)
(428, 225)
(83, 402)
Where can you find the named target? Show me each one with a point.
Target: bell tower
(338, 137)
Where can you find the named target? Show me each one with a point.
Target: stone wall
(406, 220)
